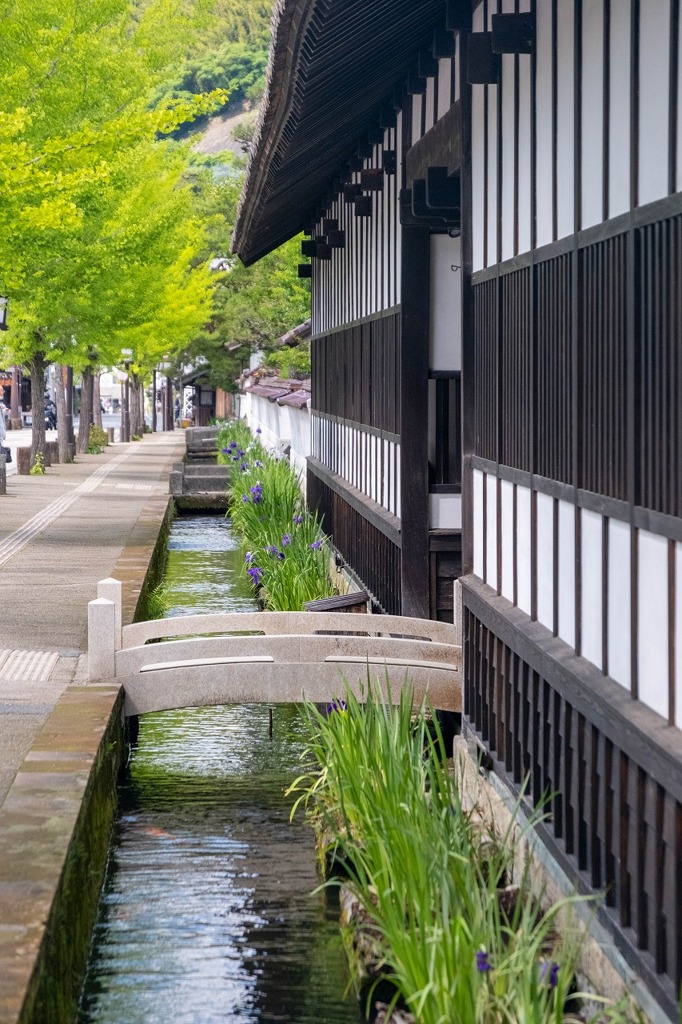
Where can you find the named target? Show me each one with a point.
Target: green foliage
(251, 306)
(428, 877)
(234, 67)
(98, 237)
(288, 557)
(290, 362)
(99, 439)
(38, 466)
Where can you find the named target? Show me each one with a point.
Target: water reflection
(207, 914)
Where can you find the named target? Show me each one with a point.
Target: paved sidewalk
(59, 535)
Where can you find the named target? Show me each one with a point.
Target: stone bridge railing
(267, 657)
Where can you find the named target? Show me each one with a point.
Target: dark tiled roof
(332, 64)
(297, 398)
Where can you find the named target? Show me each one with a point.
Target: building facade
(492, 193)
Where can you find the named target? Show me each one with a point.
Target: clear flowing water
(208, 912)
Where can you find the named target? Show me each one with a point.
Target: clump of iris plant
(267, 509)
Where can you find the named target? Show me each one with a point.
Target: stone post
(23, 456)
(112, 590)
(457, 611)
(3, 473)
(101, 640)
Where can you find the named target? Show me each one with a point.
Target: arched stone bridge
(267, 657)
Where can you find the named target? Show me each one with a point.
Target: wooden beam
(414, 375)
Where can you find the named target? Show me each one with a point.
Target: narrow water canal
(207, 914)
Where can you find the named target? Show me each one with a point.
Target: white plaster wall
(592, 153)
(445, 320)
(493, 96)
(508, 177)
(565, 118)
(478, 190)
(619, 113)
(445, 511)
(620, 613)
(416, 118)
(523, 548)
(544, 557)
(444, 73)
(478, 184)
(654, 65)
(430, 95)
(507, 530)
(525, 148)
(479, 489)
(678, 635)
(591, 586)
(491, 531)
(652, 621)
(544, 126)
(679, 118)
(566, 626)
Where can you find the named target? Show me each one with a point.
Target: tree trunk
(38, 407)
(86, 411)
(136, 421)
(96, 400)
(62, 424)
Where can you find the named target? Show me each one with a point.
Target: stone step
(203, 484)
(201, 469)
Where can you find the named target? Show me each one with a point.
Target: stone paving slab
(95, 518)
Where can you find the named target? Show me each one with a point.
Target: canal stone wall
(56, 825)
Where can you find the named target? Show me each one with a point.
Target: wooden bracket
(372, 179)
(389, 161)
(443, 44)
(513, 33)
(427, 66)
(363, 206)
(337, 239)
(305, 270)
(308, 247)
(351, 192)
(483, 66)
(442, 190)
(323, 249)
(415, 84)
(458, 16)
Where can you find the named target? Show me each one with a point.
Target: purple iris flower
(298, 519)
(245, 499)
(256, 574)
(249, 557)
(258, 463)
(550, 973)
(258, 430)
(483, 964)
(244, 467)
(232, 444)
(336, 705)
(286, 539)
(256, 494)
(316, 545)
(224, 451)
